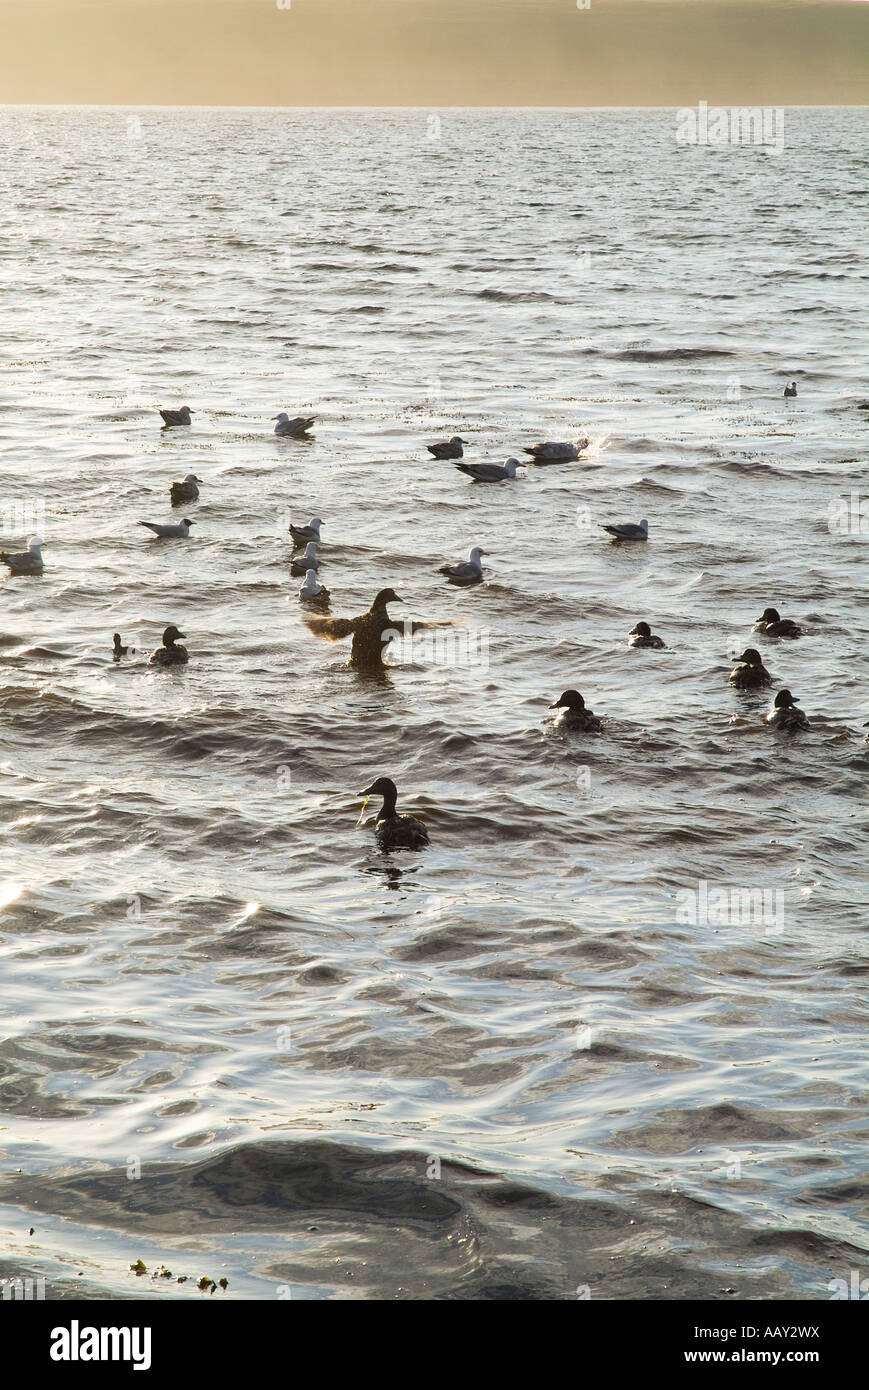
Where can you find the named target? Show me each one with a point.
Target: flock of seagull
(368, 630)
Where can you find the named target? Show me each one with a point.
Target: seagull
(557, 453)
(169, 654)
(311, 591)
(306, 562)
(469, 572)
(785, 715)
(490, 472)
(628, 530)
(302, 534)
(448, 449)
(186, 490)
(372, 632)
(177, 417)
(27, 561)
(172, 528)
(392, 831)
(790, 392)
(573, 714)
(296, 427)
(117, 650)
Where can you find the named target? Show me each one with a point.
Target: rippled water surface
(211, 977)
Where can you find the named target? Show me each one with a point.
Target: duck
(448, 448)
(118, 650)
(371, 631)
(750, 673)
(469, 571)
(176, 417)
(785, 715)
(573, 713)
(306, 562)
(311, 591)
(27, 561)
(490, 472)
(168, 530)
(641, 635)
(302, 534)
(391, 830)
(170, 654)
(773, 625)
(628, 530)
(553, 452)
(791, 391)
(186, 490)
(299, 425)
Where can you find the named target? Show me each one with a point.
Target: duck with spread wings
(368, 631)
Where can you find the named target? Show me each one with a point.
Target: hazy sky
(435, 52)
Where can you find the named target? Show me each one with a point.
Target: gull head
(35, 544)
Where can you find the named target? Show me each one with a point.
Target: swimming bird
(170, 654)
(311, 591)
(448, 449)
(750, 672)
(550, 452)
(791, 390)
(391, 830)
(177, 417)
(642, 636)
(774, 626)
(490, 472)
(574, 715)
(299, 425)
(470, 571)
(186, 490)
(368, 631)
(302, 534)
(628, 530)
(27, 561)
(306, 562)
(169, 529)
(117, 650)
(785, 715)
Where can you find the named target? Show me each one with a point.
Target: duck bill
(362, 812)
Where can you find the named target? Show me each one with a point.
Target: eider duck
(306, 562)
(574, 715)
(448, 449)
(170, 654)
(367, 631)
(641, 635)
(299, 425)
(302, 534)
(311, 591)
(490, 472)
(176, 417)
(169, 530)
(750, 672)
(791, 391)
(785, 715)
(552, 452)
(469, 571)
(27, 561)
(774, 626)
(118, 650)
(391, 830)
(186, 490)
(628, 530)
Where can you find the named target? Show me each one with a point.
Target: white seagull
(169, 529)
(302, 534)
(490, 472)
(27, 561)
(299, 424)
(311, 590)
(305, 562)
(629, 530)
(471, 572)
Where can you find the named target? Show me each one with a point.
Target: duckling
(170, 654)
(185, 490)
(750, 673)
(391, 830)
(774, 626)
(642, 636)
(306, 562)
(117, 650)
(784, 715)
(574, 714)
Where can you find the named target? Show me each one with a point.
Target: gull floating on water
(306, 562)
(302, 534)
(169, 529)
(27, 561)
(628, 530)
(299, 424)
(170, 654)
(448, 449)
(557, 453)
(391, 830)
(469, 571)
(186, 490)
(490, 472)
(177, 417)
(311, 590)
(785, 715)
(791, 391)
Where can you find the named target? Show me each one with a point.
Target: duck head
(750, 657)
(171, 635)
(571, 699)
(769, 615)
(386, 596)
(785, 700)
(640, 630)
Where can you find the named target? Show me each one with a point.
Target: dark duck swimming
(773, 625)
(642, 636)
(391, 830)
(118, 649)
(171, 653)
(573, 714)
(785, 715)
(750, 673)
